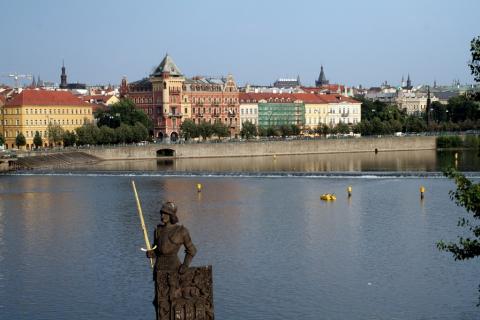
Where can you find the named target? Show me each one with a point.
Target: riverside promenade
(63, 158)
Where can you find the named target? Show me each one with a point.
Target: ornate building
(168, 98)
(214, 100)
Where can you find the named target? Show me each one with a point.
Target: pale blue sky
(358, 42)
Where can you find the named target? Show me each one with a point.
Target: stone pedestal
(186, 296)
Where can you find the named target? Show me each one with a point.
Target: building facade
(214, 100)
(33, 110)
(168, 98)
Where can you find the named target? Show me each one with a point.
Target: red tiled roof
(308, 98)
(45, 98)
(336, 98)
(2, 99)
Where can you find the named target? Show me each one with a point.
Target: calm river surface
(70, 245)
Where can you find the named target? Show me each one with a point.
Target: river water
(70, 241)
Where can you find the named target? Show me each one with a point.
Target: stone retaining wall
(261, 148)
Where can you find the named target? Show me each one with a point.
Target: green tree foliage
(322, 129)
(285, 130)
(295, 129)
(462, 107)
(69, 138)
(139, 132)
(87, 134)
(220, 130)
(55, 133)
(124, 133)
(273, 132)
(20, 140)
(106, 135)
(2, 140)
(467, 196)
(249, 130)
(474, 64)
(124, 112)
(37, 140)
(342, 128)
(189, 129)
(205, 130)
(415, 124)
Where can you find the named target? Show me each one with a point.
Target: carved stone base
(186, 296)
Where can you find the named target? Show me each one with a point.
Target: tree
(285, 130)
(189, 129)
(2, 140)
(55, 133)
(124, 133)
(69, 138)
(323, 129)
(475, 62)
(295, 129)
(37, 140)
(220, 130)
(88, 134)
(205, 130)
(342, 128)
(124, 111)
(20, 140)
(249, 130)
(106, 135)
(467, 196)
(139, 132)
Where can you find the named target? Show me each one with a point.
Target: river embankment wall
(265, 148)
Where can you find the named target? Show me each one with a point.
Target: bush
(449, 142)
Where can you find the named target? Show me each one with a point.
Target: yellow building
(33, 110)
(316, 110)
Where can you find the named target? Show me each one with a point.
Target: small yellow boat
(328, 197)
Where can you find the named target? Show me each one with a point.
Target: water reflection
(424, 160)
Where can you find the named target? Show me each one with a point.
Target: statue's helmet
(170, 208)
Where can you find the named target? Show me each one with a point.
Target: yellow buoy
(349, 190)
(328, 197)
(422, 191)
(199, 187)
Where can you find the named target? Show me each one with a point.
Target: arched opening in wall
(174, 137)
(166, 152)
(160, 136)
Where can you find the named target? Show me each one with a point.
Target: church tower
(322, 80)
(63, 78)
(409, 82)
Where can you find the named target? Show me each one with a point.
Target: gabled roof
(45, 98)
(167, 65)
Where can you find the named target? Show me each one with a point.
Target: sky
(257, 41)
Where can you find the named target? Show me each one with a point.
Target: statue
(181, 292)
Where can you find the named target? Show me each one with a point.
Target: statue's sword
(142, 222)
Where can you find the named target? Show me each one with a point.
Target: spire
(409, 82)
(34, 84)
(167, 66)
(322, 80)
(63, 77)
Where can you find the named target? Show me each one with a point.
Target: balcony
(175, 115)
(344, 115)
